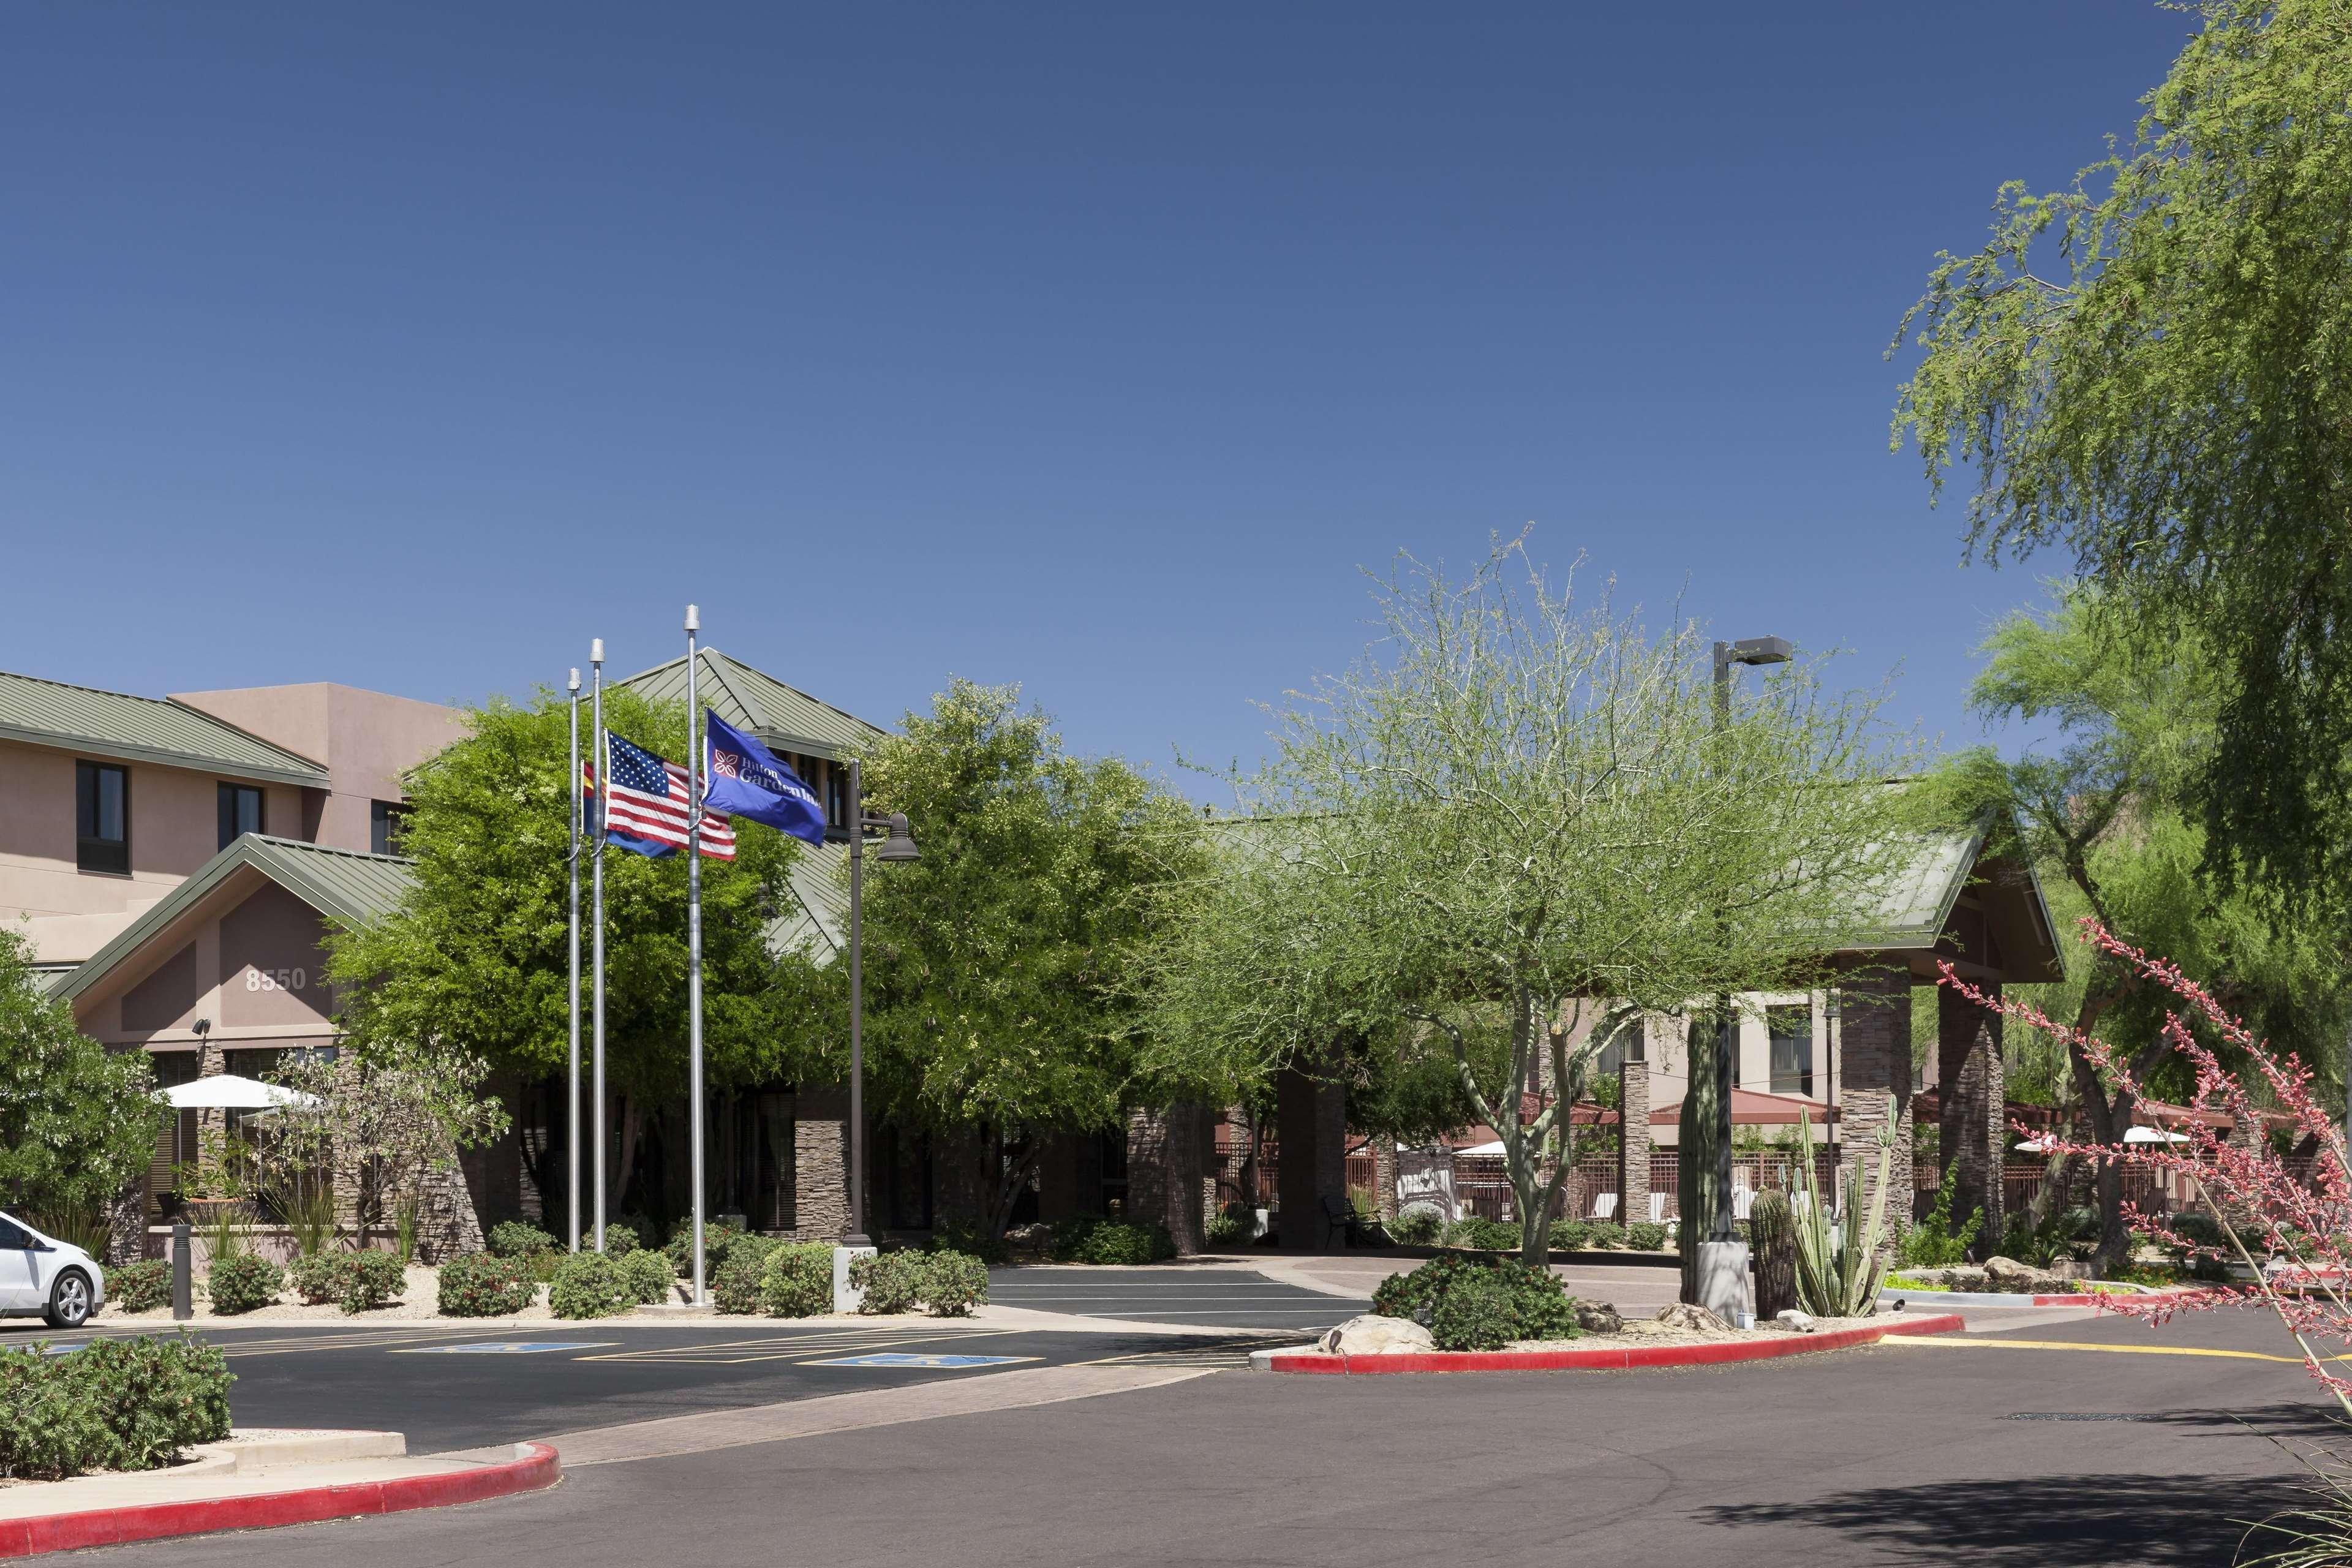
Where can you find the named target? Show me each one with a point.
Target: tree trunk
(1697, 1190)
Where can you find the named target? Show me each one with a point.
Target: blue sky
(1090, 347)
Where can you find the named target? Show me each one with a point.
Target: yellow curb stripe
(1957, 1341)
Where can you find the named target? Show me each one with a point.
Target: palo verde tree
(76, 1124)
(1511, 812)
(2152, 371)
(995, 964)
(474, 961)
(2104, 814)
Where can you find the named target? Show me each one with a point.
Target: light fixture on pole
(898, 846)
(571, 994)
(1748, 650)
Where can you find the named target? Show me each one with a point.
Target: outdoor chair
(1604, 1206)
(1657, 1208)
(1743, 1200)
(1340, 1217)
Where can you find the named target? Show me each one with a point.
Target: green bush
(1090, 1238)
(1483, 1234)
(1570, 1236)
(620, 1236)
(647, 1275)
(243, 1283)
(964, 1236)
(1605, 1233)
(517, 1238)
(1646, 1235)
(1933, 1242)
(892, 1282)
(123, 1404)
(483, 1285)
(313, 1278)
(140, 1287)
(1416, 1228)
(1533, 1304)
(735, 1284)
(798, 1283)
(719, 1239)
(954, 1284)
(589, 1285)
(356, 1281)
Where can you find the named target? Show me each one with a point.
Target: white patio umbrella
(2040, 1143)
(2153, 1135)
(1493, 1147)
(227, 1091)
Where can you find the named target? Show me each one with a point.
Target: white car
(43, 1277)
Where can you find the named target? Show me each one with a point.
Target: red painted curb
(534, 1472)
(1609, 1360)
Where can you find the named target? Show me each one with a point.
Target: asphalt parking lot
(1190, 1297)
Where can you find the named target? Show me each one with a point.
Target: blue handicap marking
(48, 1349)
(904, 1358)
(506, 1347)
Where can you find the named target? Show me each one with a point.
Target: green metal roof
(776, 714)
(819, 926)
(344, 884)
(123, 728)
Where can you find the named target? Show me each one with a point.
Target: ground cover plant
(1479, 1303)
(114, 1404)
(1090, 1238)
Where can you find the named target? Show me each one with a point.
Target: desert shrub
(798, 1283)
(620, 1236)
(1090, 1238)
(647, 1275)
(1482, 1234)
(483, 1285)
(313, 1278)
(1417, 1227)
(735, 1284)
(1536, 1306)
(140, 1287)
(1571, 1235)
(1646, 1235)
(356, 1281)
(962, 1235)
(954, 1283)
(243, 1283)
(1933, 1242)
(892, 1281)
(589, 1285)
(126, 1404)
(719, 1239)
(517, 1238)
(1604, 1233)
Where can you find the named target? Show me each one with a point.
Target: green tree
(76, 1124)
(1511, 810)
(2101, 815)
(2152, 369)
(996, 964)
(474, 961)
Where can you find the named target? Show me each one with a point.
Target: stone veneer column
(1384, 1175)
(1972, 1123)
(1633, 1131)
(1163, 1171)
(1874, 1086)
(821, 1164)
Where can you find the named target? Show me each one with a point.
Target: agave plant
(1838, 1265)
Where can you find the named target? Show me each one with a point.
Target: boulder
(1964, 1278)
(1801, 1321)
(2007, 1274)
(1695, 1320)
(1371, 1335)
(1598, 1318)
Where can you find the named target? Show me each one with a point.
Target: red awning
(1751, 1108)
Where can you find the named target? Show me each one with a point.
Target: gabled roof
(773, 713)
(123, 728)
(341, 884)
(820, 925)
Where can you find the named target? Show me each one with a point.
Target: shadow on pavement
(2164, 1520)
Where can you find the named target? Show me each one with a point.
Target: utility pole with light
(897, 847)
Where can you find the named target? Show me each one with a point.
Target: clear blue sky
(1090, 347)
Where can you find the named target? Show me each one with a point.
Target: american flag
(647, 809)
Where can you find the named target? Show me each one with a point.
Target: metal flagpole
(694, 937)
(604, 761)
(571, 1101)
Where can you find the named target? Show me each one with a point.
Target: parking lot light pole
(898, 846)
(1750, 650)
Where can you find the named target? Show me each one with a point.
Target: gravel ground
(1650, 1332)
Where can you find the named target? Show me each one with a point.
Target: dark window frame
(228, 796)
(100, 856)
(385, 818)
(1798, 1076)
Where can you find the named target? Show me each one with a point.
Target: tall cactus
(1838, 1267)
(1772, 1233)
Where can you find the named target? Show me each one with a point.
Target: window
(1792, 1030)
(12, 1238)
(385, 818)
(240, 812)
(102, 818)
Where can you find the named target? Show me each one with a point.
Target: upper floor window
(385, 819)
(240, 812)
(103, 817)
(1792, 1030)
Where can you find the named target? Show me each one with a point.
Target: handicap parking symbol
(506, 1347)
(907, 1359)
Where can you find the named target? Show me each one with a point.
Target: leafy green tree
(1517, 810)
(76, 1124)
(996, 964)
(474, 959)
(2152, 369)
(2101, 814)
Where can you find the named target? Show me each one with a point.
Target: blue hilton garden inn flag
(743, 779)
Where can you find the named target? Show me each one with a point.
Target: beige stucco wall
(366, 739)
(247, 959)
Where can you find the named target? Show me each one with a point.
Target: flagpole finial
(595, 650)
(694, 617)
(573, 684)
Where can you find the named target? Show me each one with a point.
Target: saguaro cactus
(1772, 1233)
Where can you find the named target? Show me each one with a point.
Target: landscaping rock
(2007, 1274)
(1370, 1335)
(1696, 1319)
(1598, 1318)
(1964, 1278)
(1803, 1323)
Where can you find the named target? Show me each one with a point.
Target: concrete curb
(534, 1468)
(1623, 1358)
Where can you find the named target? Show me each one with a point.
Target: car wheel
(69, 1300)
